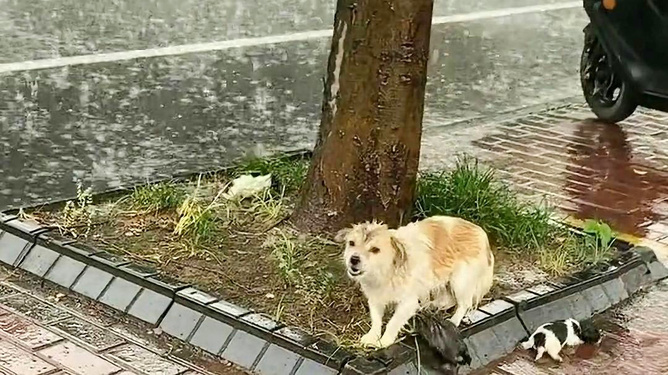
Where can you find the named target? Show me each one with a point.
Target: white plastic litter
(247, 186)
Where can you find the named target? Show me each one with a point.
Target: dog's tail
(485, 272)
(528, 343)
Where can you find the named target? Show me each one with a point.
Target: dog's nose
(354, 260)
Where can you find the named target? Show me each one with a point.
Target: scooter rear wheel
(609, 97)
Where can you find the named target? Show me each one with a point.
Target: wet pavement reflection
(119, 123)
(616, 173)
(606, 180)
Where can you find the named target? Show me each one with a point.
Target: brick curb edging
(258, 343)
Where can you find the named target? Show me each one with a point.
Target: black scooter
(625, 58)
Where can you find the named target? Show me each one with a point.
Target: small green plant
(600, 230)
(598, 246)
(280, 308)
(288, 174)
(324, 283)
(76, 216)
(593, 252)
(157, 197)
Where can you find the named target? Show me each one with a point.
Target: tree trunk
(366, 157)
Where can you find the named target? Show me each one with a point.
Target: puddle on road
(608, 180)
(587, 168)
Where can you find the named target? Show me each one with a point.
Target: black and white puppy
(552, 337)
(440, 344)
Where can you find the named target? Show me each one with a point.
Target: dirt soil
(259, 263)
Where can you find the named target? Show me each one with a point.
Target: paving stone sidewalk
(44, 331)
(618, 173)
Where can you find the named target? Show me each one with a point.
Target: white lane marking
(505, 12)
(257, 41)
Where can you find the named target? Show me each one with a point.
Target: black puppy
(440, 344)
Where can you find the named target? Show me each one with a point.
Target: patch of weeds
(472, 192)
(285, 253)
(157, 197)
(255, 214)
(311, 278)
(197, 220)
(75, 218)
(575, 252)
(288, 174)
(268, 208)
(559, 258)
(322, 284)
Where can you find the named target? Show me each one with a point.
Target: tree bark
(366, 156)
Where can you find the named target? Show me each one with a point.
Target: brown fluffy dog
(440, 261)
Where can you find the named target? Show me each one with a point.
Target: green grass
(473, 192)
(157, 197)
(288, 174)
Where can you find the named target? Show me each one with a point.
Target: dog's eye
(351, 243)
(374, 250)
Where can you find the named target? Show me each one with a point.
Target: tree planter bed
(254, 340)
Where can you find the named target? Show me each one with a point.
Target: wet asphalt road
(124, 122)
(53, 28)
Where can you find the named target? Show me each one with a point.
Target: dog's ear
(370, 228)
(399, 251)
(341, 235)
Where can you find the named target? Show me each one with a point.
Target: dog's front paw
(386, 341)
(370, 339)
